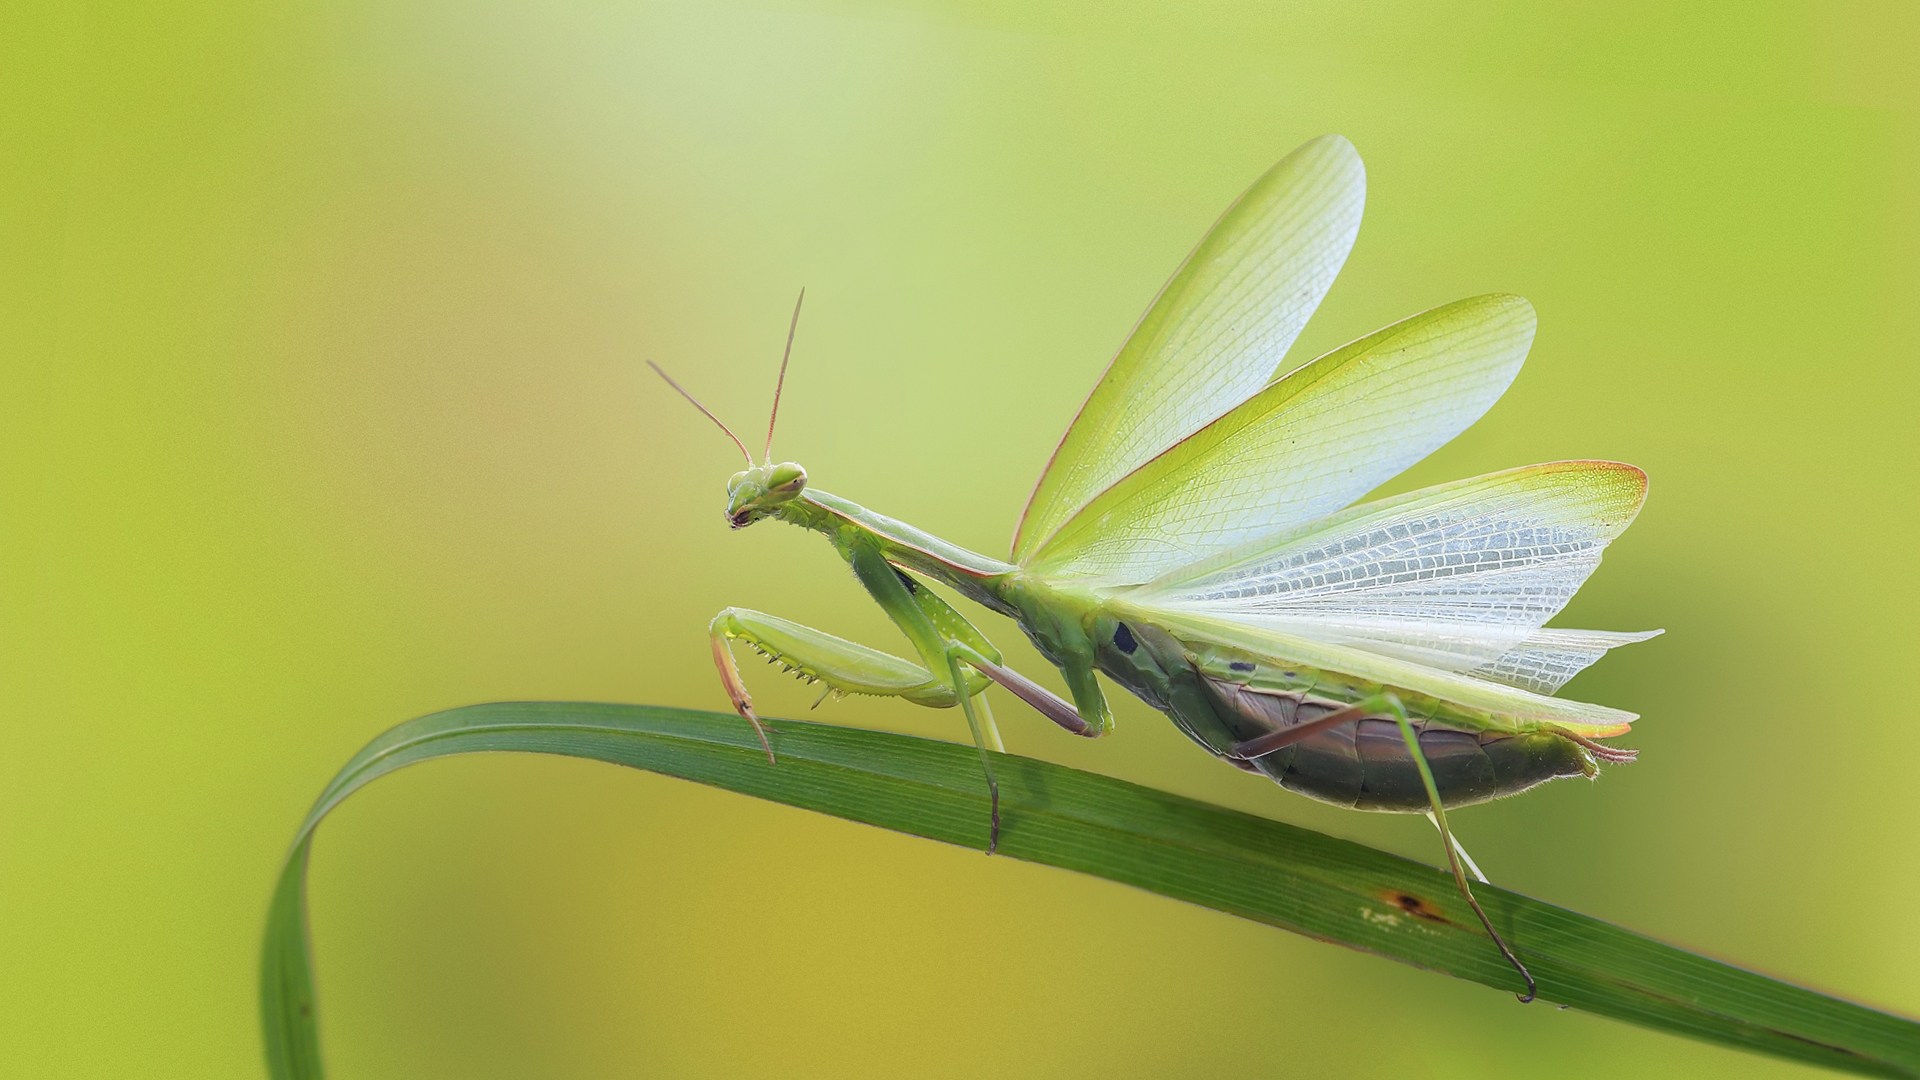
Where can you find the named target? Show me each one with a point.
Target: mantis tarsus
(1188, 540)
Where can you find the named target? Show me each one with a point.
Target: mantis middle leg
(946, 643)
(949, 644)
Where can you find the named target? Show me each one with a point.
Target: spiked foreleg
(820, 657)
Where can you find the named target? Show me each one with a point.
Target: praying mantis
(1192, 539)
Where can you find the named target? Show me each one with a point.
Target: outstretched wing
(1458, 577)
(1216, 333)
(1303, 447)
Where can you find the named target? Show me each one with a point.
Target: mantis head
(757, 492)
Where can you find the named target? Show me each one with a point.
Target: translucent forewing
(1302, 447)
(1216, 333)
(1458, 577)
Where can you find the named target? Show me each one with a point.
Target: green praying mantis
(1192, 539)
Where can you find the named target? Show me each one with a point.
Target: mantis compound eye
(786, 480)
(734, 481)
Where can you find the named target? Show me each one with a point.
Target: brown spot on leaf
(1414, 906)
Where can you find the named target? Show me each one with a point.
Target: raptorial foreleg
(819, 657)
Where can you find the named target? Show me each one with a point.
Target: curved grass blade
(1258, 869)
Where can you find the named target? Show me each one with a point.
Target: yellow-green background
(322, 407)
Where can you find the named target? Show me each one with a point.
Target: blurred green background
(322, 406)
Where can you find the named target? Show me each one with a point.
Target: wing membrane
(1303, 447)
(1545, 661)
(1215, 333)
(1508, 702)
(1458, 577)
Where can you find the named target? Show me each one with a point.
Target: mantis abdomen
(1364, 764)
(1225, 700)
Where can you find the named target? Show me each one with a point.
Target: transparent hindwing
(1456, 578)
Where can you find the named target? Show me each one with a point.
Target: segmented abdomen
(1365, 765)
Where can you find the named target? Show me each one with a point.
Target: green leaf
(1258, 869)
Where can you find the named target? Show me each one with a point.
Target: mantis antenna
(696, 404)
(778, 386)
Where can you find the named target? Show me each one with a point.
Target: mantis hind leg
(1455, 853)
(820, 657)
(1472, 867)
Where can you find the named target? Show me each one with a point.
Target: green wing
(1302, 447)
(1215, 334)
